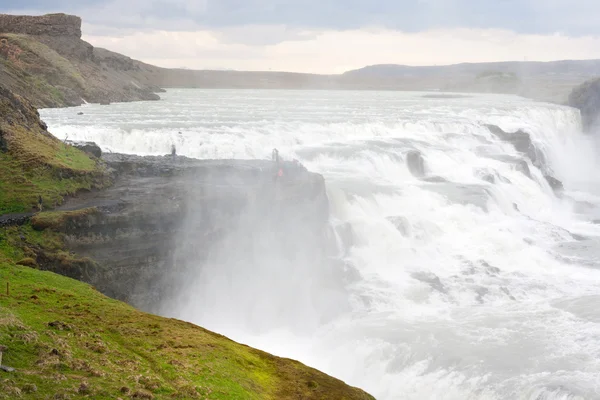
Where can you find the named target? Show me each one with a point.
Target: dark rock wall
(586, 98)
(167, 216)
(49, 24)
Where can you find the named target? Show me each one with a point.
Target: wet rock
(489, 178)
(481, 293)
(415, 163)
(80, 113)
(522, 142)
(401, 223)
(165, 218)
(432, 279)
(87, 147)
(554, 183)
(586, 98)
(507, 292)
(435, 179)
(523, 167)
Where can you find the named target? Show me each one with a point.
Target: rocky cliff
(136, 241)
(50, 24)
(44, 59)
(586, 98)
(166, 216)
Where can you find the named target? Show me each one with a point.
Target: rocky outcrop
(90, 148)
(415, 163)
(586, 98)
(167, 215)
(44, 59)
(522, 142)
(50, 24)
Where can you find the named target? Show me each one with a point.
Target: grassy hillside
(58, 72)
(34, 163)
(69, 341)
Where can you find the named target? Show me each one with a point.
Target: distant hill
(550, 81)
(562, 69)
(44, 59)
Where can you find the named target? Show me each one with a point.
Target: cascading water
(474, 281)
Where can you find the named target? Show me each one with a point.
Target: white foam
(456, 307)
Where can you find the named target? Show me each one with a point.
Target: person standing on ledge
(276, 160)
(40, 203)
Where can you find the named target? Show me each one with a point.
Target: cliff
(44, 59)
(50, 24)
(66, 339)
(165, 216)
(586, 98)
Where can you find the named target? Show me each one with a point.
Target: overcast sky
(332, 36)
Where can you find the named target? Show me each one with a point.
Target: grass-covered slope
(67, 340)
(33, 69)
(63, 71)
(34, 163)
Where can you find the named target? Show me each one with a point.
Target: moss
(67, 339)
(32, 50)
(62, 220)
(35, 163)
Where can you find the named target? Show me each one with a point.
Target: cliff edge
(44, 59)
(62, 338)
(586, 98)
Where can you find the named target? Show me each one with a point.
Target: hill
(44, 59)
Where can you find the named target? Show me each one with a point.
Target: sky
(331, 36)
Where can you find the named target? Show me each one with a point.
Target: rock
(104, 102)
(489, 178)
(523, 167)
(79, 113)
(162, 213)
(522, 142)
(6, 368)
(401, 223)
(586, 98)
(88, 147)
(49, 25)
(554, 183)
(29, 388)
(415, 163)
(84, 388)
(435, 179)
(432, 279)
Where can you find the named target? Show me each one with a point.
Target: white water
(515, 313)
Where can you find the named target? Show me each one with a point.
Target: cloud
(574, 18)
(336, 51)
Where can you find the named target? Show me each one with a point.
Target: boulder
(90, 148)
(554, 183)
(415, 163)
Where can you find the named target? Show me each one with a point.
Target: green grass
(37, 163)
(39, 50)
(67, 339)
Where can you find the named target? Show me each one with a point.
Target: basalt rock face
(50, 24)
(523, 143)
(167, 215)
(44, 59)
(586, 98)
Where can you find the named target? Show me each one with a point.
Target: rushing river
(474, 282)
